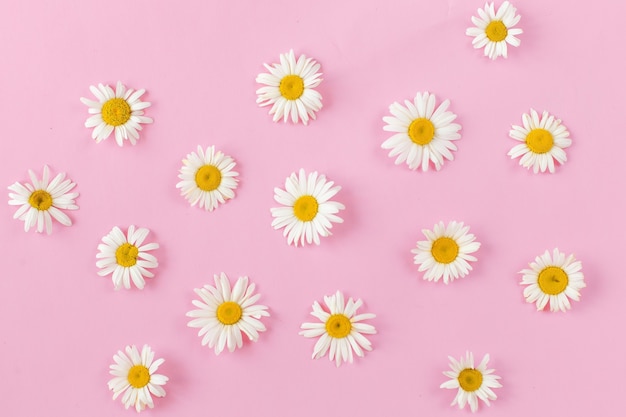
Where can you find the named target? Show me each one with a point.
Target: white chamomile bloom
(126, 257)
(447, 252)
(543, 141)
(207, 177)
(493, 30)
(472, 383)
(224, 314)
(308, 212)
(557, 278)
(135, 377)
(120, 111)
(290, 88)
(340, 329)
(43, 200)
(423, 133)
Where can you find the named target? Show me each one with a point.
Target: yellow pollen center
(138, 376)
(229, 312)
(116, 112)
(291, 87)
(305, 208)
(445, 250)
(539, 140)
(496, 31)
(552, 280)
(470, 379)
(208, 178)
(338, 326)
(421, 131)
(126, 255)
(40, 199)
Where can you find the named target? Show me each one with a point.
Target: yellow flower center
(470, 379)
(126, 255)
(445, 250)
(291, 87)
(539, 140)
(138, 376)
(305, 208)
(552, 280)
(208, 178)
(40, 199)
(338, 326)
(229, 312)
(421, 131)
(496, 31)
(116, 112)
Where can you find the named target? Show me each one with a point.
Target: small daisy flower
(207, 177)
(135, 377)
(120, 111)
(447, 252)
(472, 383)
(493, 30)
(340, 329)
(308, 212)
(423, 133)
(290, 88)
(224, 314)
(555, 278)
(43, 200)
(126, 257)
(543, 141)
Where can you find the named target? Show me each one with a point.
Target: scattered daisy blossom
(126, 257)
(290, 88)
(557, 278)
(446, 253)
(43, 200)
(340, 329)
(135, 377)
(223, 315)
(493, 30)
(120, 111)
(543, 141)
(423, 133)
(308, 212)
(472, 383)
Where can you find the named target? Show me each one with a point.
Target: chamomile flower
(119, 110)
(290, 88)
(340, 329)
(543, 141)
(308, 211)
(126, 257)
(224, 314)
(446, 252)
(472, 383)
(494, 30)
(135, 377)
(557, 278)
(43, 200)
(423, 133)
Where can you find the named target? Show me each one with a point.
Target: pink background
(61, 323)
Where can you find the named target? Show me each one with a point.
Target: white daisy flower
(544, 141)
(472, 383)
(446, 253)
(120, 111)
(223, 315)
(493, 30)
(207, 177)
(290, 88)
(340, 329)
(126, 257)
(308, 212)
(43, 200)
(423, 133)
(135, 377)
(555, 278)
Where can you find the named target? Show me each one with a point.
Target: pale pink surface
(61, 323)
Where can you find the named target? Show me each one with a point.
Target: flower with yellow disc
(493, 30)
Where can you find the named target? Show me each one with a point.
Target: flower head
(494, 30)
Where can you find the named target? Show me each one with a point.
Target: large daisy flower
(447, 252)
(308, 212)
(423, 133)
(120, 111)
(126, 257)
(340, 329)
(135, 377)
(493, 30)
(543, 141)
(224, 314)
(290, 88)
(473, 383)
(557, 278)
(207, 177)
(43, 200)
